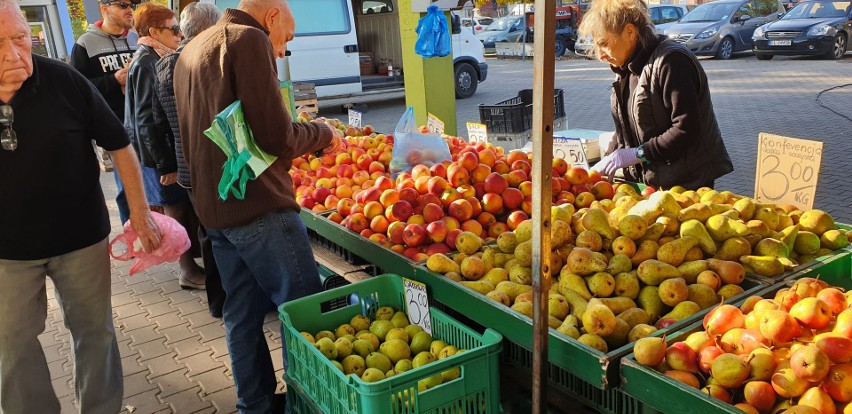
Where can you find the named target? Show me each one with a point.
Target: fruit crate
(518, 140)
(475, 391)
(835, 269)
(515, 115)
(592, 366)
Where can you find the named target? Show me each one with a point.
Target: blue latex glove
(616, 160)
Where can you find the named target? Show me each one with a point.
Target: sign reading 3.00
(417, 304)
(787, 170)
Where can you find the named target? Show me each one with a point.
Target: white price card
(354, 118)
(417, 304)
(476, 132)
(571, 150)
(435, 125)
(787, 170)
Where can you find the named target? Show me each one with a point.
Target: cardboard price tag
(571, 150)
(476, 132)
(435, 125)
(354, 118)
(417, 304)
(787, 170)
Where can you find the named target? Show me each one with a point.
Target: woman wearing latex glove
(665, 128)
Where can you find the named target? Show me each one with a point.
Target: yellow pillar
(429, 86)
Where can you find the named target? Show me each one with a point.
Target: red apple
(512, 198)
(395, 230)
(414, 235)
(480, 173)
(584, 200)
(358, 222)
(437, 231)
(492, 203)
(495, 183)
(437, 185)
(461, 210)
(458, 175)
(401, 210)
(432, 212)
(436, 248)
(452, 235)
(560, 167)
(410, 195)
(577, 175)
(602, 190)
(468, 160)
(496, 229)
(515, 218)
(449, 195)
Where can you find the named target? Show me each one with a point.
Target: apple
(429, 198)
(584, 200)
(420, 170)
(307, 201)
(335, 217)
(449, 195)
(479, 189)
(356, 208)
(472, 226)
(414, 235)
(331, 202)
(468, 160)
(602, 190)
(492, 202)
(648, 191)
(526, 188)
(487, 157)
(480, 173)
(401, 210)
(497, 228)
(458, 175)
(452, 235)
(522, 165)
(515, 218)
(437, 185)
(437, 231)
(357, 222)
(526, 205)
(373, 209)
(495, 183)
(439, 170)
(384, 183)
(432, 212)
(560, 167)
(452, 222)
(466, 191)
(394, 232)
(411, 252)
(516, 177)
(343, 158)
(577, 175)
(320, 194)
(461, 210)
(414, 157)
(422, 185)
(389, 197)
(516, 155)
(501, 167)
(360, 177)
(436, 248)
(512, 198)
(476, 205)
(410, 195)
(379, 224)
(416, 219)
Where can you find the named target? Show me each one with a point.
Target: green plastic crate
(475, 391)
(809, 266)
(836, 270)
(297, 401)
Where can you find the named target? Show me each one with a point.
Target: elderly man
(55, 223)
(260, 244)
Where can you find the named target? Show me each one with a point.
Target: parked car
(811, 28)
(504, 29)
(476, 24)
(662, 15)
(723, 27)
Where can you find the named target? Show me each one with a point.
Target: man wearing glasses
(103, 54)
(55, 223)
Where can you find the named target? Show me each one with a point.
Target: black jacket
(168, 110)
(150, 133)
(662, 99)
(98, 55)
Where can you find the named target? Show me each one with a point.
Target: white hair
(12, 4)
(196, 17)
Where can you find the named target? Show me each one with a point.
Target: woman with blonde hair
(665, 128)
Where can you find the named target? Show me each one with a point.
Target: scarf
(155, 44)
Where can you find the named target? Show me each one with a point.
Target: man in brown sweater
(260, 244)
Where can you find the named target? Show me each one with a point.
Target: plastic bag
(412, 147)
(173, 242)
(433, 36)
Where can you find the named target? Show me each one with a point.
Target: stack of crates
(509, 122)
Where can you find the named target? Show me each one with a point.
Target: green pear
(763, 265)
(817, 222)
(640, 331)
(683, 310)
(699, 211)
(697, 230)
(619, 263)
(703, 295)
(575, 282)
(601, 284)
(649, 300)
(627, 285)
(673, 291)
(806, 243)
(598, 319)
(653, 272)
(634, 316)
(733, 248)
(597, 220)
(834, 239)
(674, 251)
(690, 270)
(771, 247)
(722, 228)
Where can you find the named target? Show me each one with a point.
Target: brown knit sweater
(234, 60)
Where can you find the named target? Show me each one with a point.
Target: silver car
(662, 15)
(723, 27)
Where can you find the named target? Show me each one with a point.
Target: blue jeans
(121, 199)
(82, 280)
(262, 264)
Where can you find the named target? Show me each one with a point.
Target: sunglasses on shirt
(175, 29)
(8, 138)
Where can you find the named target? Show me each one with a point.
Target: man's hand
(168, 179)
(336, 144)
(616, 160)
(121, 76)
(145, 226)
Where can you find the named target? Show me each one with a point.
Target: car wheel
(726, 49)
(466, 80)
(838, 48)
(559, 49)
(763, 56)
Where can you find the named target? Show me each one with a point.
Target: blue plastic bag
(411, 147)
(433, 36)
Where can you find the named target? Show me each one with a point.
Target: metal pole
(542, 136)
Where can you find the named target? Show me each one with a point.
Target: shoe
(187, 284)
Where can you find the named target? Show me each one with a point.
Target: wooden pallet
(305, 95)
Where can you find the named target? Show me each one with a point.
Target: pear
(834, 239)
(634, 316)
(468, 243)
(594, 342)
(683, 310)
(717, 208)
(601, 284)
(495, 276)
(713, 196)
(673, 291)
(618, 305)
(697, 230)
(479, 286)
(650, 352)
(653, 272)
(730, 371)
(521, 274)
(646, 250)
(589, 240)
(690, 270)
(473, 268)
(523, 232)
(440, 263)
(763, 265)
(618, 337)
(767, 215)
(524, 308)
(695, 253)
(598, 319)
(523, 253)
(722, 228)
(671, 225)
(703, 295)
(674, 252)
(746, 207)
(569, 330)
(699, 211)
(560, 233)
(733, 249)
(806, 243)
(654, 232)
(578, 304)
(789, 235)
(575, 282)
(759, 228)
(558, 306)
(640, 331)
(729, 291)
(597, 220)
(816, 221)
(499, 297)
(649, 300)
(627, 285)
(619, 263)
(771, 247)
(632, 226)
(585, 262)
(507, 241)
(512, 289)
(487, 258)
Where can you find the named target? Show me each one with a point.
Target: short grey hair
(197, 17)
(4, 4)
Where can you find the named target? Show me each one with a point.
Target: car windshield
(500, 25)
(818, 10)
(710, 12)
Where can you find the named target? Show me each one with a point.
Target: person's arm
(271, 123)
(151, 134)
(106, 83)
(681, 85)
(127, 165)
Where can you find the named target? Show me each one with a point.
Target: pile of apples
(792, 352)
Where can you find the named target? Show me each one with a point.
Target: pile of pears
(389, 345)
(648, 262)
(768, 355)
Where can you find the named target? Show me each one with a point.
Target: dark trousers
(215, 291)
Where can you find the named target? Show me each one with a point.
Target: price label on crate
(433, 124)
(354, 118)
(571, 150)
(787, 170)
(417, 304)
(476, 132)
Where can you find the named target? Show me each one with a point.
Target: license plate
(780, 42)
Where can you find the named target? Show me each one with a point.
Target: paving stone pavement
(174, 354)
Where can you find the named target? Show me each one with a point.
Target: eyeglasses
(121, 4)
(175, 29)
(8, 138)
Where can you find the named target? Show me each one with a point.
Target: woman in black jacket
(665, 128)
(159, 35)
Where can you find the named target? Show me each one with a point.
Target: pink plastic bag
(173, 242)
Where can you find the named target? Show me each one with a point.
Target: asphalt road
(798, 97)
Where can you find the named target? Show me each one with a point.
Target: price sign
(417, 304)
(476, 132)
(571, 150)
(354, 118)
(435, 125)
(787, 170)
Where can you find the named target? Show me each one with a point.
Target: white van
(330, 35)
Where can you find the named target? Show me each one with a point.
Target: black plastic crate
(337, 249)
(515, 115)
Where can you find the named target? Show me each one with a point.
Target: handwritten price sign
(417, 304)
(433, 124)
(571, 150)
(354, 118)
(476, 133)
(787, 170)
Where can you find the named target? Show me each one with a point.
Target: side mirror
(744, 17)
(780, 15)
(456, 24)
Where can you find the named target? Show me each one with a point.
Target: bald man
(259, 243)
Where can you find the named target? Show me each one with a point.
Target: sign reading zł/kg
(571, 150)
(787, 170)
(476, 132)
(434, 125)
(417, 304)
(355, 118)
